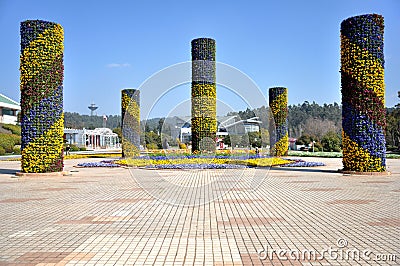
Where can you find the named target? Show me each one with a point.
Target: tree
(255, 139)
(331, 141)
(153, 140)
(264, 137)
(235, 140)
(299, 114)
(398, 95)
(118, 131)
(78, 121)
(305, 140)
(246, 114)
(227, 140)
(160, 125)
(318, 127)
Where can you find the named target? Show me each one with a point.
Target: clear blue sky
(111, 45)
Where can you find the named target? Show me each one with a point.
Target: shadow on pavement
(9, 171)
(305, 169)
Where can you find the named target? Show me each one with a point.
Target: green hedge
(72, 147)
(2, 151)
(8, 141)
(16, 130)
(17, 150)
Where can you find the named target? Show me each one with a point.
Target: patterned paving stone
(15, 200)
(377, 182)
(386, 222)
(302, 182)
(351, 201)
(322, 189)
(53, 189)
(124, 216)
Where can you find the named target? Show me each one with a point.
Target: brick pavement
(203, 217)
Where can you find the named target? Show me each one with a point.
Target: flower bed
(192, 161)
(301, 163)
(195, 166)
(363, 93)
(94, 155)
(42, 118)
(316, 154)
(99, 164)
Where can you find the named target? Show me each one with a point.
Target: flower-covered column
(204, 95)
(363, 93)
(130, 113)
(279, 140)
(42, 117)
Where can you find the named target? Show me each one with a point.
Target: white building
(8, 110)
(98, 138)
(240, 127)
(180, 127)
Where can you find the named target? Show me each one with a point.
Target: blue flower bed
(99, 164)
(301, 163)
(172, 157)
(110, 163)
(196, 166)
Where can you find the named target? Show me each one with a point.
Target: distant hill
(298, 117)
(306, 118)
(78, 121)
(301, 116)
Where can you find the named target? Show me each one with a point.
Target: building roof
(9, 103)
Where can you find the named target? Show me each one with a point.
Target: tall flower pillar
(42, 117)
(363, 93)
(278, 132)
(204, 95)
(130, 113)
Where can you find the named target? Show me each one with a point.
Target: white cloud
(118, 65)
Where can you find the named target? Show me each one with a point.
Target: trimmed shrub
(8, 141)
(2, 151)
(15, 129)
(182, 146)
(17, 150)
(151, 146)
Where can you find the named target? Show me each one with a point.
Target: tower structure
(204, 95)
(363, 93)
(42, 116)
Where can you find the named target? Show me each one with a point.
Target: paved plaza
(278, 216)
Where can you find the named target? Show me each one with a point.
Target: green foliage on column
(279, 139)
(42, 117)
(204, 95)
(130, 113)
(363, 93)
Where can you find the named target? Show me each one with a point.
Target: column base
(50, 174)
(386, 173)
